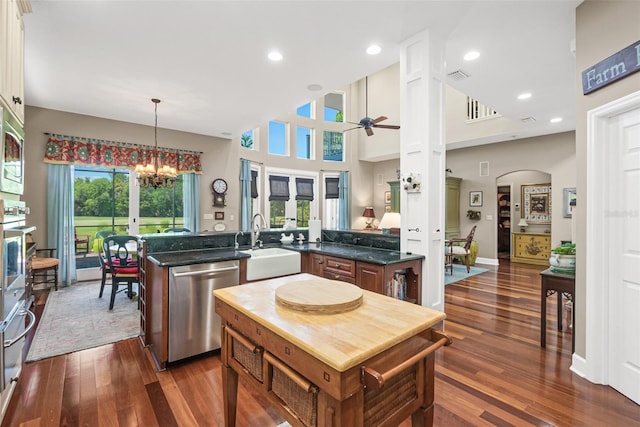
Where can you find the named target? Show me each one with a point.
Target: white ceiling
(206, 60)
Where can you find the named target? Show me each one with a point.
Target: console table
(556, 283)
(372, 365)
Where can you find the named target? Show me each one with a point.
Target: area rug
(74, 319)
(460, 272)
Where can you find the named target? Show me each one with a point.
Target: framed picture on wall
(536, 203)
(475, 198)
(387, 197)
(219, 215)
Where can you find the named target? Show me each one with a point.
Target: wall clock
(219, 187)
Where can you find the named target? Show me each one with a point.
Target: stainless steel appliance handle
(9, 343)
(203, 272)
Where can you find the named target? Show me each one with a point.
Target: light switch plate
(489, 217)
(208, 216)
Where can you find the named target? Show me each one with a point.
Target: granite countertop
(357, 253)
(353, 252)
(196, 256)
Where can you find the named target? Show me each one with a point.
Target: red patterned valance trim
(108, 154)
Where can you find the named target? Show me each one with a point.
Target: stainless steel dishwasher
(194, 326)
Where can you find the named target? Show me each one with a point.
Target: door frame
(595, 366)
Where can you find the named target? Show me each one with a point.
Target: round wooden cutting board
(319, 296)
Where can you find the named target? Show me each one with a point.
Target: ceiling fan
(367, 123)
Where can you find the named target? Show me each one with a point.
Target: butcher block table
(366, 361)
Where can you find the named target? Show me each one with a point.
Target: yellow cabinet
(531, 248)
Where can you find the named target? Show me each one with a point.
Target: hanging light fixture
(154, 174)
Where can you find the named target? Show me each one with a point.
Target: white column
(422, 158)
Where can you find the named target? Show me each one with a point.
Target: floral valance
(109, 154)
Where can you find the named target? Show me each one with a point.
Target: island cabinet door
(370, 277)
(316, 264)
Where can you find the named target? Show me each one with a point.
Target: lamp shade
(368, 212)
(390, 220)
(523, 223)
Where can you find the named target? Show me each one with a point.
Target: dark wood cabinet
(368, 276)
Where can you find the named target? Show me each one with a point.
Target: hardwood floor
(495, 373)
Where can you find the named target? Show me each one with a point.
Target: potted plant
(563, 258)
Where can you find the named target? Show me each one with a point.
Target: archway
(511, 208)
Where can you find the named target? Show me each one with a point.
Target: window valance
(109, 154)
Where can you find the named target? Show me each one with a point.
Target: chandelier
(154, 174)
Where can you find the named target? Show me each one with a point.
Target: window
(331, 194)
(277, 138)
(304, 197)
(291, 196)
(101, 202)
(334, 107)
(333, 146)
(161, 208)
(278, 198)
(305, 110)
(246, 140)
(303, 143)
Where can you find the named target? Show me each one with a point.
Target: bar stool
(41, 266)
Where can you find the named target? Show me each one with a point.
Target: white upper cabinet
(12, 54)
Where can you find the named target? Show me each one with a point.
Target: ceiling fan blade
(369, 131)
(353, 123)
(351, 129)
(387, 126)
(379, 119)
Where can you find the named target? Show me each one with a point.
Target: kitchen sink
(271, 262)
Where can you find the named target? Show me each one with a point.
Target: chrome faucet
(235, 239)
(255, 232)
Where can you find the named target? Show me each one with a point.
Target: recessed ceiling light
(274, 55)
(374, 49)
(472, 55)
(556, 120)
(314, 87)
(525, 95)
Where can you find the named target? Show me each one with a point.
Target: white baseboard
(578, 365)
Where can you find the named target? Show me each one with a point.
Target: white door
(623, 223)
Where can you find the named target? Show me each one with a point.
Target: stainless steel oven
(15, 316)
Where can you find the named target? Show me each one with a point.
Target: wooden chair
(457, 251)
(105, 265)
(42, 265)
(81, 240)
(121, 252)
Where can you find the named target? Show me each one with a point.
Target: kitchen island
(349, 369)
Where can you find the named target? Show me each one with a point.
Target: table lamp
(370, 215)
(522, 224)
(390, 223)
